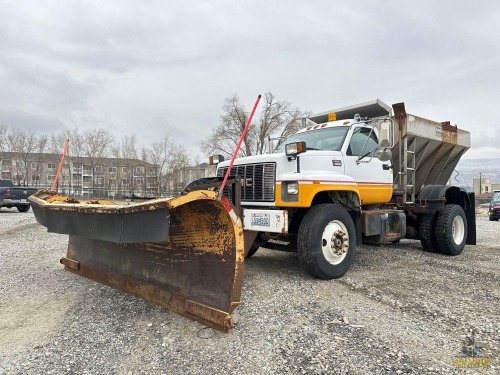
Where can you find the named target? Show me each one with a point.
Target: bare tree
(175, 172)
(128, 147)
(167, 156)
(278, 119)
(23, 142)
(3, 138)
(41, 146)
(225, 137)
(95, 146)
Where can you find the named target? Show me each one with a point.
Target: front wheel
(451, 230)
(326, 241)
(23, 208)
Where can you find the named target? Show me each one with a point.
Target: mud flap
(196, 271)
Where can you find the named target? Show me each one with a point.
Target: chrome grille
(257, 181)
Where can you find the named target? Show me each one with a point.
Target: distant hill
(468, 169)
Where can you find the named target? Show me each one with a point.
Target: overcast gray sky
(165, 67)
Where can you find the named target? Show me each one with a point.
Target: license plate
(263, 220)
(23, 201)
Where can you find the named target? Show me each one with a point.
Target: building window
(112, 169)
(6, 163)
(51, 166)
(33, 165)
(87, 168)
(98, 168)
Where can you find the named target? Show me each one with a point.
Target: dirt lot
(398, 310)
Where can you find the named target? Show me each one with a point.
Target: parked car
(494, 209)
(15, 196)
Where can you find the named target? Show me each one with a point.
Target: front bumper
(495, 214)
(16, 202)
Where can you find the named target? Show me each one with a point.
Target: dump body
(425, 151)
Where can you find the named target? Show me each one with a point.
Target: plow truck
(367, 173)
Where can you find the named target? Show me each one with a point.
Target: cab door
(374, 177)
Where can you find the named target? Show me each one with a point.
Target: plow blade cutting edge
(184, 254)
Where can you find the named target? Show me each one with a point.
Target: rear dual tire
(444, 232)
(427, 235)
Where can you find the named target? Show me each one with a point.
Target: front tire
(451, 230)
(23, 208)
(326, 241)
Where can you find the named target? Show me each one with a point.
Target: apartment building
(83, 176)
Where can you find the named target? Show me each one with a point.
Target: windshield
(496, 197)
(330, 139)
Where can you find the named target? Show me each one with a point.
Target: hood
(265, 158)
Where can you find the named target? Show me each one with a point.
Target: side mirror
(385, 139)
(384, 154)
(386, 134)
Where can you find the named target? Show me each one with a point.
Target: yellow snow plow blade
(185, 253)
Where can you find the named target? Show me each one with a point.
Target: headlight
(292, 188)
(293, 149)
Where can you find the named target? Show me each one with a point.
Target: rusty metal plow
(185, 253)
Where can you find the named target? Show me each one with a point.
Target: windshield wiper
(368, 153)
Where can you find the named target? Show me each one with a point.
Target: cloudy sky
(152, 68)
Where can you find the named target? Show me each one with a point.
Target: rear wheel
(23, 208)
(326, 241)
(451, 230)
(426, 231)
(492, 218)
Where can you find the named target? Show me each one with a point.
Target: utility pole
(480, 184)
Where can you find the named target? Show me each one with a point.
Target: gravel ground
(399, 310)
